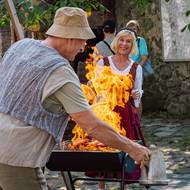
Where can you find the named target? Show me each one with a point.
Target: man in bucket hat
(39, 90)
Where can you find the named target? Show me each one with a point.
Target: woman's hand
(135, 94)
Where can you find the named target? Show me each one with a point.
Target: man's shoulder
(25, 41)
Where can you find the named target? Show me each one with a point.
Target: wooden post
(17, 28)
(13, 34)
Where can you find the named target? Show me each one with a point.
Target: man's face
(69, 48)
(76, 46)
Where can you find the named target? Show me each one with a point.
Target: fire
(104, 92)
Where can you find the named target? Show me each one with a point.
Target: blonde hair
(122, 33)
(132, 23)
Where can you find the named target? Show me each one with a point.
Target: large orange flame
(104, 91)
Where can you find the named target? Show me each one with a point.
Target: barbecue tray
(61, 160)
(67, 161)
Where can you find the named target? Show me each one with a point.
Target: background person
(123, 45)
(142, 51)
(88, 55)
(39, 90)
(109, 29)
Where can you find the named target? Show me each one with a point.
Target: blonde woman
(123, 45)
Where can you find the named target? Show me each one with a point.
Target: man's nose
(82, 47)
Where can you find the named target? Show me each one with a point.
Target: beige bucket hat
(70, 22)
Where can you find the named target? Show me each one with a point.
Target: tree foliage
(141, 5)
(38, 17)
(4, 17)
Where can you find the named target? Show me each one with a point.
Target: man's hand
(139, 153)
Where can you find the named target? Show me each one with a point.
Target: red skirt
(130, 121)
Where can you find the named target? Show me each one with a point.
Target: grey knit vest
(23, 73)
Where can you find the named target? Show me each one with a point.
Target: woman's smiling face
(125, 44)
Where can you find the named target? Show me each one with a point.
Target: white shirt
(138, 78)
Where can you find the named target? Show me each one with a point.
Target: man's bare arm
(107, 135)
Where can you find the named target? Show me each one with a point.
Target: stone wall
(5, 39)
(169, 89)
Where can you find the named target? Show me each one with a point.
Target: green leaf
(187, 13)
(188, 26)
(93, 6)
(103, 8)
(88, 8)
(183, 29)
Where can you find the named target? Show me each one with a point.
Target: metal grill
(68, 161)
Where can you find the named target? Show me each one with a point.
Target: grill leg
(123, 173)
(68, 180)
